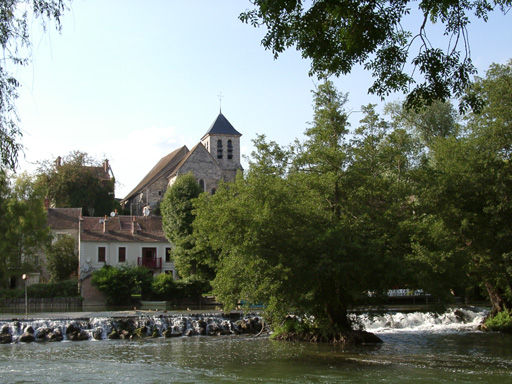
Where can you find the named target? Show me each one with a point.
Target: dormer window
(219, 149)
(230, 149)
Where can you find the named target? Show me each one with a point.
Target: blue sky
(131, 81)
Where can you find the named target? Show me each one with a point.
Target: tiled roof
(148, 229)
(221, 126)
(165, 166)
(63, 218)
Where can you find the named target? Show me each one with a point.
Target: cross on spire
(220, 96)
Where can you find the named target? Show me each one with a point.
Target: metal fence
(54, 304)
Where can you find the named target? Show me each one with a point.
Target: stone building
(216, 157)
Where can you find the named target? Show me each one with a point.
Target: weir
(147, 324)
(128, 327)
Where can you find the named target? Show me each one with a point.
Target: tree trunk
(495, 298)
(337, 317)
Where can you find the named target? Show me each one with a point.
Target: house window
(167, 255)
(219, 149)
(213, 191)
(101, 254)
(201, 184)
(230, 149)
(122, 254)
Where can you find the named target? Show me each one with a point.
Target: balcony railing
(155, 263)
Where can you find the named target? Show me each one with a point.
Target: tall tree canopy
(16, 16)
(467, 193)
(192, 258)
(78, 181)
(336, 35)
(24, 232)
(311, 229)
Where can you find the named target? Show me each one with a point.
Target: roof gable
(221, 126)
(166, 165)
(193, 152)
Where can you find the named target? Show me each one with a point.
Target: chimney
(105, 165)
(105, 224)
(133, 225)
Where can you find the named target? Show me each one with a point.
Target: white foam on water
(453, 320)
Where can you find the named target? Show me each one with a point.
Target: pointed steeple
(221, 126)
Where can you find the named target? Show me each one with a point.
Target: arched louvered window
(230, 149)
(201, 184)
(219, 149)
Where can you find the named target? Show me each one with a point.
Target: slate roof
(148, 229)
(63, 218)
(221, 126)
(165, 166)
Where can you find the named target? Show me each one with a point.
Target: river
(417, 347)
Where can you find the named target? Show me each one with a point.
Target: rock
(155, 333)
(72, 329)
(140, 332)
(29, 329)
(126, 325)
(5, 330)
(56, 335)
(114, 335)
(42, 333)
(190, 332)
(27, 337)
(97, 334)
(124, 334)
(361, 337)
(78, 336)
(460, 316)
(167, 333)
(244, 326)
(5, 338)
(212, 329)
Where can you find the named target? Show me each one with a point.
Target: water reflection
(466, 357)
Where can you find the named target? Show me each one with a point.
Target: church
(216, 157)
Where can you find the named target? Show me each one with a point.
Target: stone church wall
(201, 164)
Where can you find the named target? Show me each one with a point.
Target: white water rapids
(453, 320)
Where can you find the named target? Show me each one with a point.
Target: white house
(116, 241)
(121, 241)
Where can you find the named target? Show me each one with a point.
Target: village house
(116, 241)
(216, 157)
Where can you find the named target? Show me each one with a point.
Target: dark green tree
(191, 256)
(119, 284)
(336, 35)
(16, 16)
(78, 181)
(25, 233)
(311, 229)
(62, 259)
(463, 220)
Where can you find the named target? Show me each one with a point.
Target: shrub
(502, 321)
(67, 288)
(62, 260)
(166, 288)
(119, 284)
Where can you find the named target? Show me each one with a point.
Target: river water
(417, 347)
